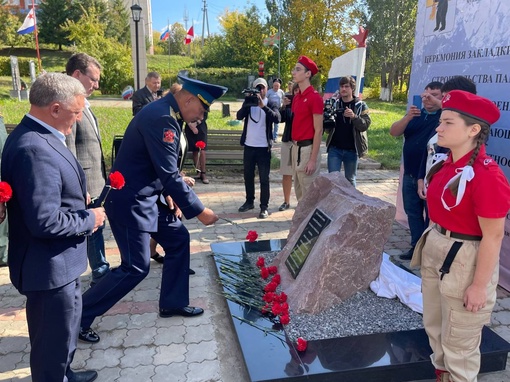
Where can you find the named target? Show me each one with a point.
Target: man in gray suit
(85, 143)
(48, 223)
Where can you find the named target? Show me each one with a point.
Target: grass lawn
(382, 147)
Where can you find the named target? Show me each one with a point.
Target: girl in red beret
(468, 199)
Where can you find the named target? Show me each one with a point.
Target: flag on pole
(165, 33)
(28, 25)
(351, 64)
(272, 40)
(189, 36)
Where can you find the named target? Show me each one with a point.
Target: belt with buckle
(456, 235)
(304, 143)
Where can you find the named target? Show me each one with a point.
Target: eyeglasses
(90, 78)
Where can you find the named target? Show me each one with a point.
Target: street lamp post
(136, 12)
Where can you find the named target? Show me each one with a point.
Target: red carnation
(276, 279)
(282, 297)
(271, 287)
(252, 236)
(285, 306)
(284, 319)
(301, 344)
(200, 145)
(264, 273)
(272, 270)
(269, 297)
(260, 262)
(117, 180)
(5, 192)
(276, 309)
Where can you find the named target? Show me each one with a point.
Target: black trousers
(260, 157)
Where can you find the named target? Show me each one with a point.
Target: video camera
(330, 106)
(250, 96)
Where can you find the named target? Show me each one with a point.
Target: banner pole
(39, 64)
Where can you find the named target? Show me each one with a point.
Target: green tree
(320, 29)
(215, 51)
(244, 35)
(10, 24)
(89, 35)
(118, 22)
(175, 43)
(392, 24)
(51, 16)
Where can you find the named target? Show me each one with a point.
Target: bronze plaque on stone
(317, 223)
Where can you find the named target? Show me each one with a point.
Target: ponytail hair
(480, 138)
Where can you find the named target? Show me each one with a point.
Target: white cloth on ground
(394, 281)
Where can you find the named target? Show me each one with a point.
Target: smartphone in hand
(417, 101)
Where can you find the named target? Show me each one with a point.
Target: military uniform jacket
(150, 151)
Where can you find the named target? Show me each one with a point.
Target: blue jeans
(414, 207)
(350, 160)
(260, 157)
(275, 131)
(96, 255)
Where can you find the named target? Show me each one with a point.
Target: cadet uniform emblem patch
(168, 136)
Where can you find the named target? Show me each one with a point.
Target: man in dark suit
(85, 143)
(148, 93)
(48, 223)
(148, 160)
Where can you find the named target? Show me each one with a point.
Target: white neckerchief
(466, 174)
(435, 158)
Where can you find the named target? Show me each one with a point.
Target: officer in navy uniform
(174, 238)
(148, 160)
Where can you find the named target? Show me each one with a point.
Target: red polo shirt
(304, 106)
(487, 195)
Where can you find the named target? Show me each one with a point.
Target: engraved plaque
(317, 223)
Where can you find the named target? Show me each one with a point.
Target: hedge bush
(23, 63)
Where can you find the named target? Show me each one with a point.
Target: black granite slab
(382, 357)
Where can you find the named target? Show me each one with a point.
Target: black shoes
(284, 206)
(90, 336)
(158, 258)
(246, 206)
(408, 255)
(191, 271)
(82, 376)
(263, 214)
(187, 311)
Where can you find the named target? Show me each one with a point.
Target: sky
(174, 11)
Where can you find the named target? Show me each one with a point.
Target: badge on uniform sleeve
(168, 136)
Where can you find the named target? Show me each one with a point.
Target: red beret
(309, 64)
(471, 105)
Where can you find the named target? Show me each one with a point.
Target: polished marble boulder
(347, 254)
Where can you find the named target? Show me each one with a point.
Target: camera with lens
(329, 114)
(250, 96)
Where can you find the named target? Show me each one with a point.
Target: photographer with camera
(346, 120)
(259, 114)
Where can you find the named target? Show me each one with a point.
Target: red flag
(189, 36)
